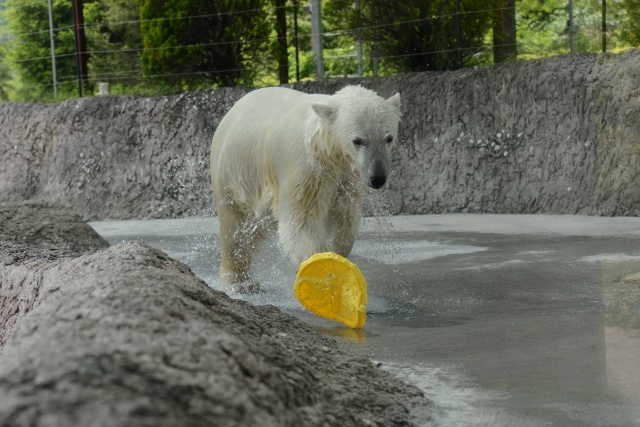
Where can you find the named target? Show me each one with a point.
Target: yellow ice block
(333, 287)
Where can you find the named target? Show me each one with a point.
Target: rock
(48, 226)
(126, 336)
(35, 236)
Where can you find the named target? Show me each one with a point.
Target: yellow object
(333, 287)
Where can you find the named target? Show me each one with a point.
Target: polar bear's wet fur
(300, 160)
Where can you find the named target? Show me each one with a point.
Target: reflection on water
(622, 302)
(623, 354)
(457, 402)
(621, 279)
(354, 336)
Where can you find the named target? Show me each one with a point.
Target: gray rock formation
(126, 336)
(555, 135)
(113, 157)
(48, 226)
(44, 234)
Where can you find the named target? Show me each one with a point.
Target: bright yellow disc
(333, 287)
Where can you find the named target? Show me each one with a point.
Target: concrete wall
(569, 125)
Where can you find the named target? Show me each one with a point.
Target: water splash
(457, 401)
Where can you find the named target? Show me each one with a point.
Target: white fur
(286, 156)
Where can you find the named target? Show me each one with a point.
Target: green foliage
(114, 40)
(4, 78)
(261, 56)
(3, 7)
(30, 51)
(421, 35)
(541, 28)
(154, 47)
(543, 31)
(630, 29)
(588, 22)
(210, 42)
(304, 45)
(4, 69)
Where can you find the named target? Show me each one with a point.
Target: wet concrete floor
(503, 320)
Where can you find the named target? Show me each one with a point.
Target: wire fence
(448, 37)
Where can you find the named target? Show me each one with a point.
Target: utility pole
(53, 51)
(460, 64)
(504, 32)
(358, 43)
(295, 38)
(316, 37)
(81, 44)
(604, 25)
(570, 24)
(281, 31)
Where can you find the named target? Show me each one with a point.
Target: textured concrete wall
(113, 157)
(568, 125)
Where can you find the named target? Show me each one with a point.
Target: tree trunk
(504, 31)
(81, 44)
(281, 49)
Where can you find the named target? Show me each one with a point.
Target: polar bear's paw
(248, 287)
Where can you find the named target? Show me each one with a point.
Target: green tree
(340, 42)
(4, 39)
(631, 26)
(114, 39)
(422, 35)
(504, 31)
(304, 45)
(219, 42)
(4, 77)
(280, 47)
(30, 51)
(542, 28)
(588, 25)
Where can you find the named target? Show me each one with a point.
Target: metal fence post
(53, 51)
(359, 43)
(295, 38)
(81, 43)
(458, 36)
(571, 33)
(604, 25)
(316, 37)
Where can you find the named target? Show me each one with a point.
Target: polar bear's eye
(358, 141)
(388, 138)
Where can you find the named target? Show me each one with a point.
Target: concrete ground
(503, 320)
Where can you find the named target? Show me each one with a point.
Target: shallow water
(502, 320)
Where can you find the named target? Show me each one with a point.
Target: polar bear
(300, 161)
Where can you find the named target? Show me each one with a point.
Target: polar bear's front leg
(345, 234)
(343, 222)
(302, 236)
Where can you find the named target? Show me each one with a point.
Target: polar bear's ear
(324, 111)
(394, 102)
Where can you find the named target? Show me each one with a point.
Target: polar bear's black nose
(377, 181)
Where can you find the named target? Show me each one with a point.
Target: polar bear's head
(364, 128)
